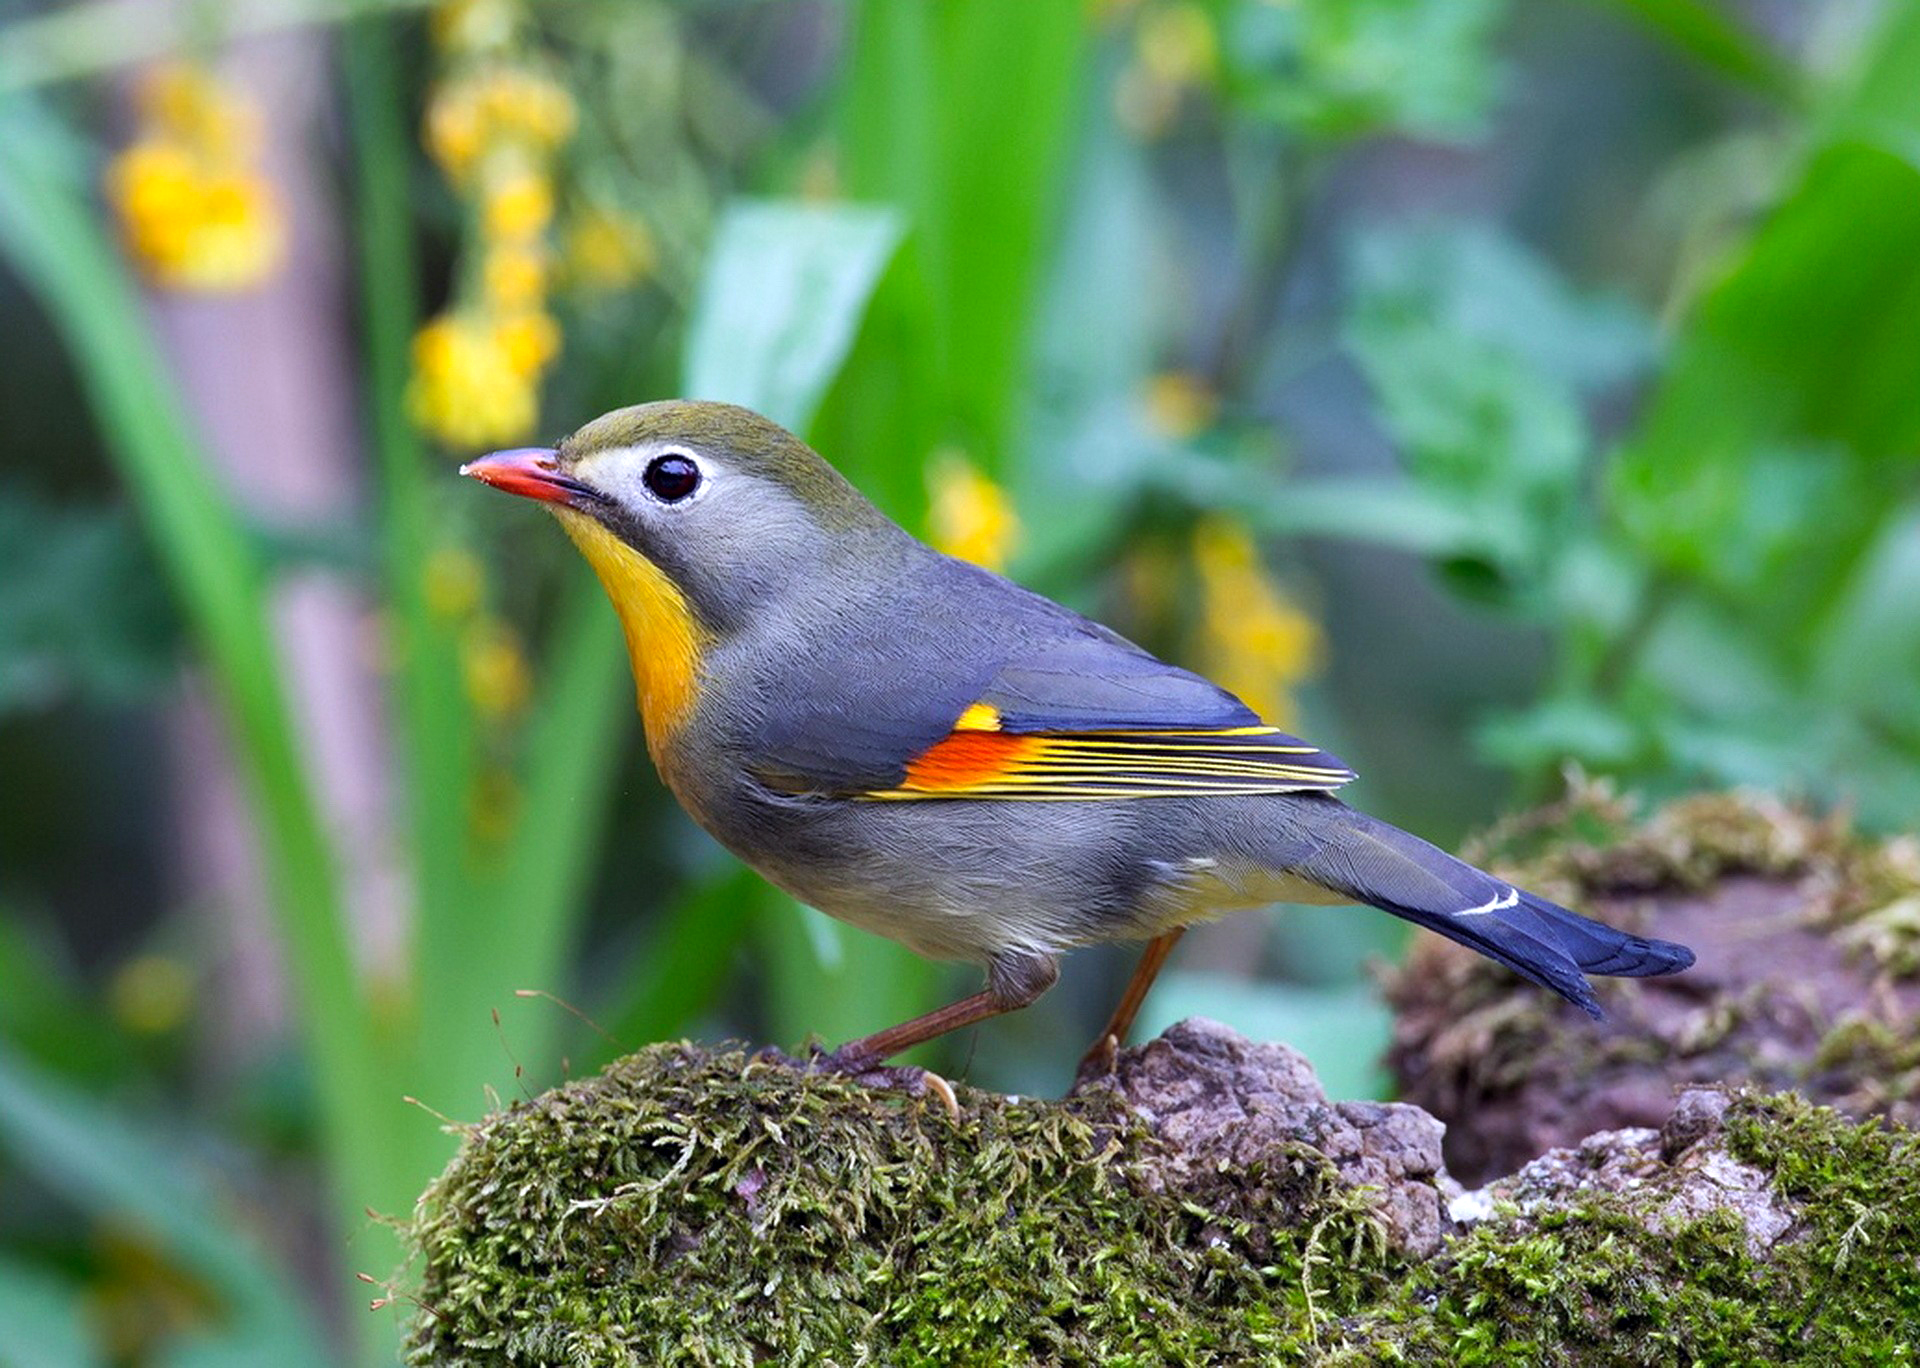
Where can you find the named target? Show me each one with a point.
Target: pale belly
(973, 880)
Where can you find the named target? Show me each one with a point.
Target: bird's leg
(1013, 981)
(1099, 1059)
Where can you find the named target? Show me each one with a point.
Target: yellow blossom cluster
(492, 107)
(495, 124)
(1255, 640)
(968, 514)
(193, 205)
(476, 372)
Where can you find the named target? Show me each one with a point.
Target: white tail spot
(1495, 904)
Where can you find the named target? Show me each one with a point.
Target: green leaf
(1804, 359)
(1401, 514)
(119, 1172)
(1482, 360)
(958, 116)
(1708, 35)
(784, 291)
(1556, 730)
(1868, 653)
(1469, 280)
(1343, 68)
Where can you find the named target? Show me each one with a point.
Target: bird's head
(698, 518)
(728, 506)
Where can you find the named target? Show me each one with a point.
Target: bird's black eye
(672, 477)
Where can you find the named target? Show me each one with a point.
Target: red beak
(532, 473)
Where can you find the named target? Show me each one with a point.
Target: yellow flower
(494, 670)
(514, 276)
(1180, 404)
(194, 211)
(530, 341)
(474, 25)
(494, 123)
(188, 105)
(516, 206)
(970, 516)
(523, 104)
(151, 994)
(455, 132)
(471, 385)
(1175, 44)
(1254, 640)
(608, 249)
(500, 107)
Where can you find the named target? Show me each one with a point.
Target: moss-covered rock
(1808, 936)
(1762, 1229)
(710, 1208)
(714, 1208)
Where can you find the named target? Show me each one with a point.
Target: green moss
(1618, 1278)
(695, 1208)
(705, 1209)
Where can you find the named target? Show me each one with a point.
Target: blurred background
(1481, 389)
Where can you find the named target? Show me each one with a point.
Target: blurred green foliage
(1627, 437)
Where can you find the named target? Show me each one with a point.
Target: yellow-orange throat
(665, 641)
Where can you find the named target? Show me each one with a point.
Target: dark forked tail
(1371, 862)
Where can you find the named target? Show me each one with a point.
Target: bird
(924, 749)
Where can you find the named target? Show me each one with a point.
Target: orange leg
(857, 1056)
(1012, 983)
(1099, 1058)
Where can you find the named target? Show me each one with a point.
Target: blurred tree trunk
(268, 374)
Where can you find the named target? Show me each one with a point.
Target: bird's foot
(1097, 1064)
(862, 1068)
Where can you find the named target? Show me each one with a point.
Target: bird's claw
(1098, 1063)
(869, 1072)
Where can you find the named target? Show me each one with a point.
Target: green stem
(434, 721)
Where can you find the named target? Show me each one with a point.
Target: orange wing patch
(973, 762)
(967, 759)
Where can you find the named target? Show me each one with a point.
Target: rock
(1747, 1229)
(1680, 1173)
(1808, 944)
(1226, 1105)
(1210, 1207)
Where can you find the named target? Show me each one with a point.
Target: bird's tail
(1372, 862)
